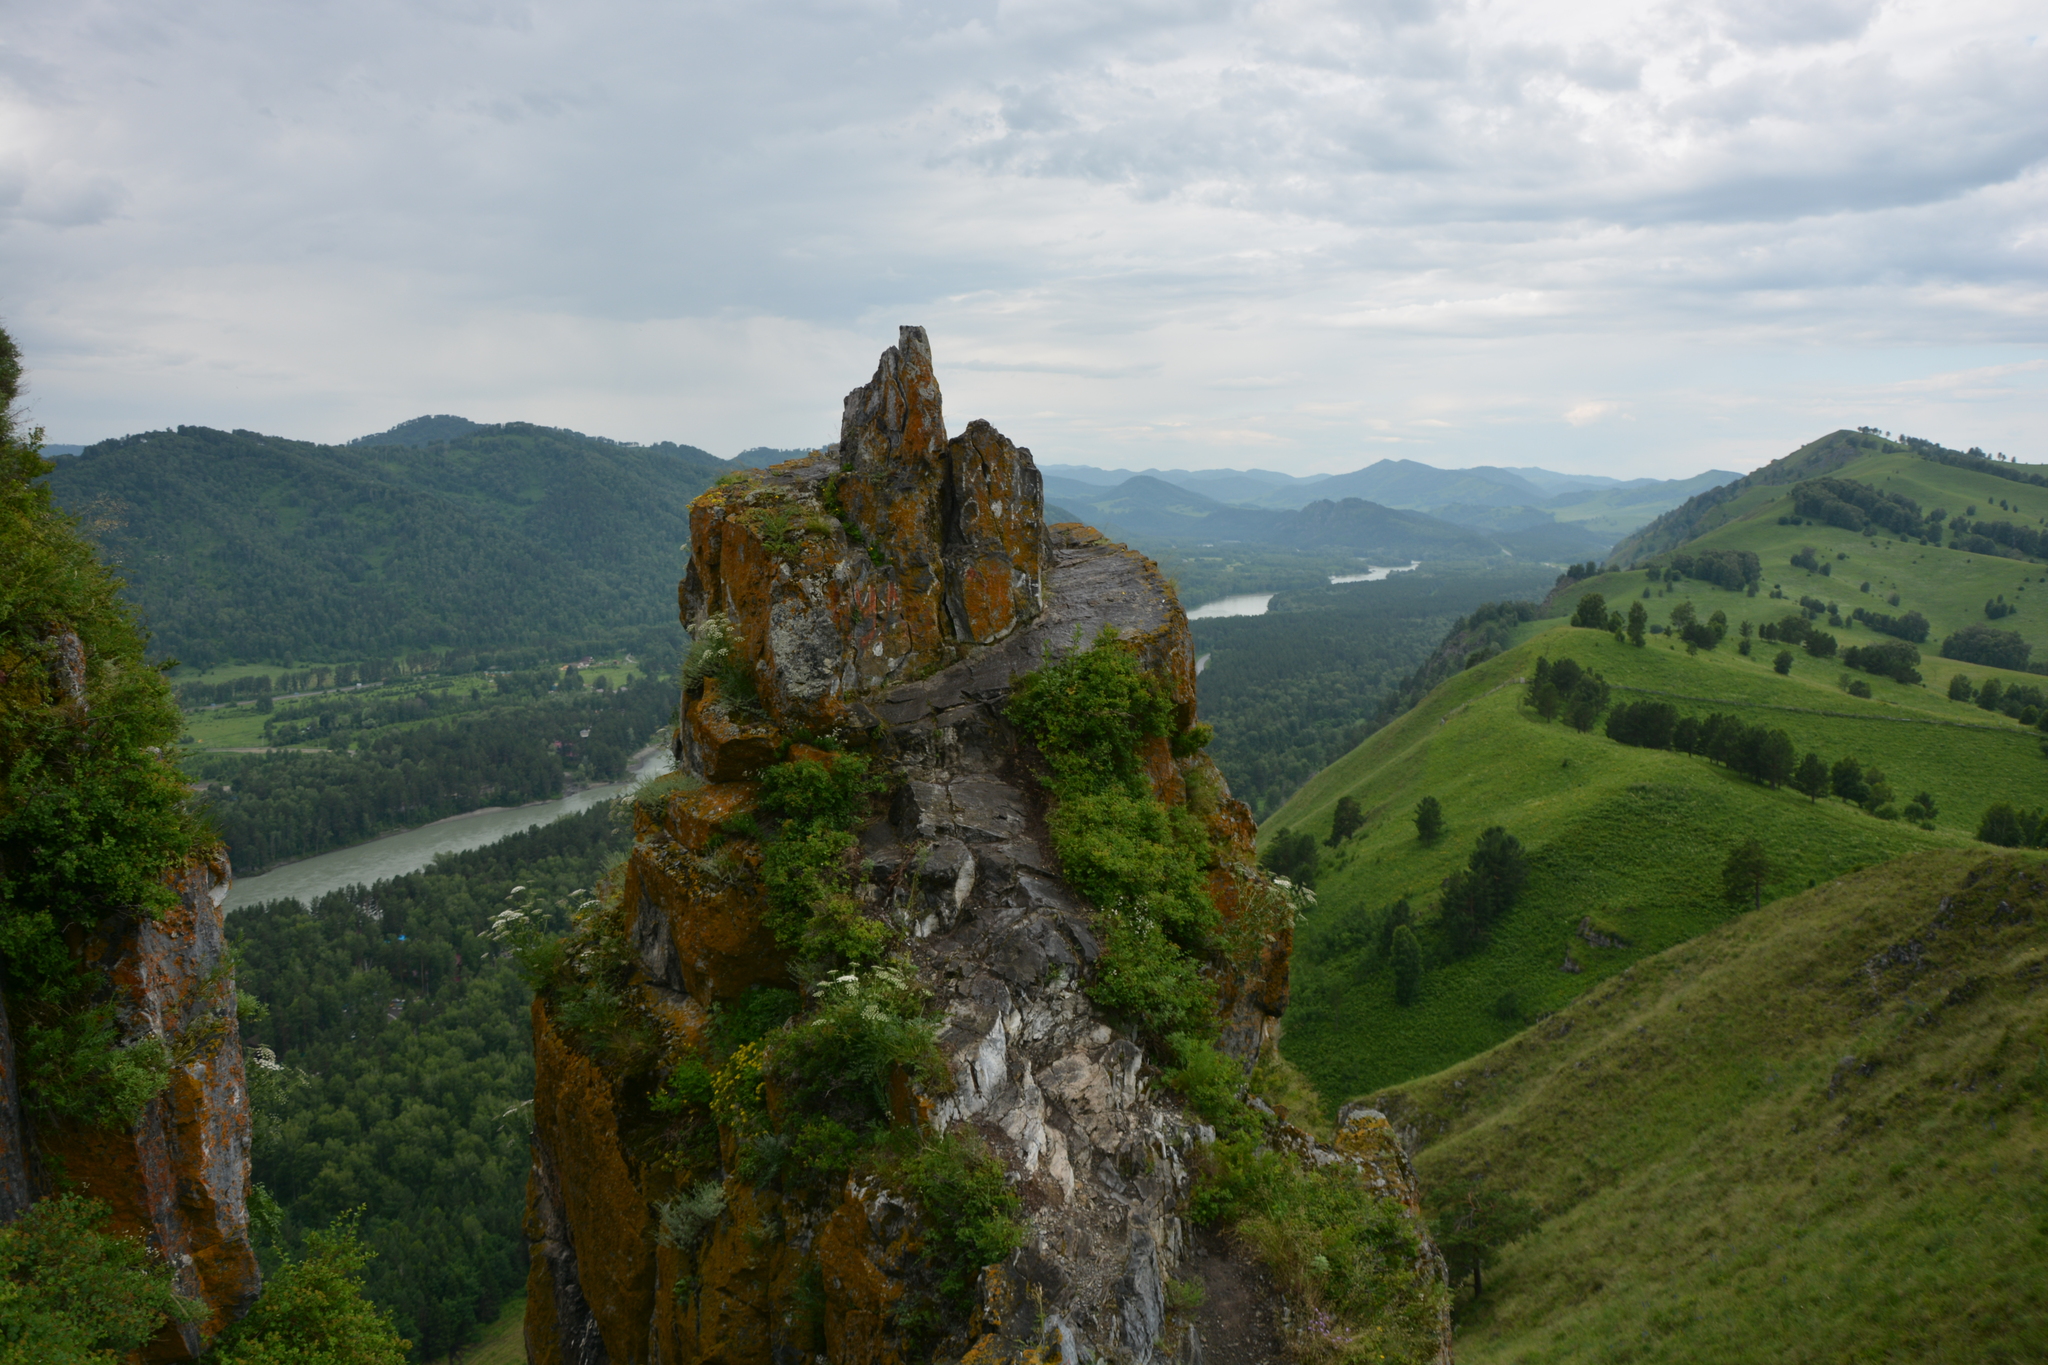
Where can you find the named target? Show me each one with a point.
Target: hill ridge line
(1816, 711)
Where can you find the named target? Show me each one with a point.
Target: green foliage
(92, 814)
(241, 546)
(1591, 612)
(420, 1119)
(1143, 975)
(1429, 820)
(1783, 662)
(1212, 1084)
(1090, 715)
(714, 657)
(810, 865)
(1407, 955)
(683, 1219)
(1810, 779)
(74, 1293)
(1478, 897)
(1291, 854)
(1980, 644)
(1745, 873)
(76, 1068)
(1633, 837)
(1472, 1222)
(1144, 864)
(1121, 846)
(759, 1011)
(1345, 820)
(1342, 1253)
(2008, 826)
(866, 1026)
(313, 1311)
(971, 1214)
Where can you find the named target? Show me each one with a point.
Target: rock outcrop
(179, 1177)
(883, 595)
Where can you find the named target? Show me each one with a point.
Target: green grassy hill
(1632, 839)
(1946, 585)
(243, 547)
(1813, 1134)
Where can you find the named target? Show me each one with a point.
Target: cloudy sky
(1303, 234)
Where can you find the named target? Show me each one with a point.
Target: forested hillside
(407, 1068)
(239, 546)
(1293, 690)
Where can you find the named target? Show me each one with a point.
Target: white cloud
(1287, 227)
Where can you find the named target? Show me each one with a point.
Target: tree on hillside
(1959, 688)
(1773, 762)
(1783, 663)
(1744, 874)
(1846, 778)
(1394, 918)
(1543, 695)
(1429, 820)
(1407, 954)
(1638, 622)
(1592, 612)
(1980, 644)
(1476, 899)
(2009, 827)
(1810, 778)
(1292, 854)
(1345, 822)
(1472, 1222)
(1588, 698)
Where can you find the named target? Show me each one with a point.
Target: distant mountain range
(1523, 510)
(443, 531)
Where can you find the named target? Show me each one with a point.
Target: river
(394, 855)
(1255, 603)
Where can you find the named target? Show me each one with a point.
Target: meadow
(1624, 845)
(1812, 1134)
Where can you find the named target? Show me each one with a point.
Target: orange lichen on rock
(594, 1189)
(882, 596)
(879, 559)
(180, 1176)
(718, 745)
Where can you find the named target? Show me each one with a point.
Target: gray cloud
(1434, 222)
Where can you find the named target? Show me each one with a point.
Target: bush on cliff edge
(1142, 862)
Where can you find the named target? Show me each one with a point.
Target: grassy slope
(1634, 838)
(1768, 1145)
(1948, 587)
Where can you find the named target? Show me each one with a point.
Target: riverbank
(409, 850)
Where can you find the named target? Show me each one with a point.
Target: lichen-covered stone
(180, 1177)
(888, 591)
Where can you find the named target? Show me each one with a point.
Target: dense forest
(239, 546)
(380, 773)
(1290, 691)
(403, 1069)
